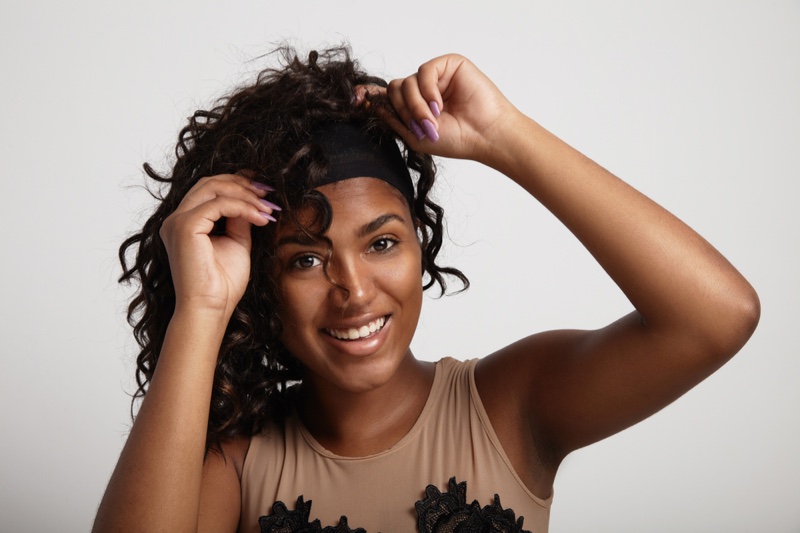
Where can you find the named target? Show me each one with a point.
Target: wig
(264, 131)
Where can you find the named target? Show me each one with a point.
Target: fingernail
(268, 216)
(270, 204)
(417, 130)
(430, 130)
(263, 186)
(434, 108)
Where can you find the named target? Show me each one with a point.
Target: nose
(352, 283)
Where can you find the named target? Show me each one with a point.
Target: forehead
(355, 201)
(354, 193)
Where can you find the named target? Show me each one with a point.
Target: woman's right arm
(161, 474)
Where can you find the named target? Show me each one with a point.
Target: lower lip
(361, 347)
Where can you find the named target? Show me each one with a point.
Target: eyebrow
(300, 238)
(379, 222)
(304, 239)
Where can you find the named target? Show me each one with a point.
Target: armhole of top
(250, 457)
(477, 404)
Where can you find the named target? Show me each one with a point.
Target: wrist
(208, 323)
(509, 140)
(523, 150)
(191, 347)
(204, 306)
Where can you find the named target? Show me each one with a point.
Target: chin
(362, 375)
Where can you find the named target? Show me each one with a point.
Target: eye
(383, 244)
(306, 261)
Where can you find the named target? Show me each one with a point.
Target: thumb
(238, 229)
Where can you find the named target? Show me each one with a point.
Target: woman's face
(352, 335)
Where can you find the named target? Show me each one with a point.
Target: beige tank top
(404, 489)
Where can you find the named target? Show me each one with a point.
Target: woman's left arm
(693, 310)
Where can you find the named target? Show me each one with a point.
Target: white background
(697, 104)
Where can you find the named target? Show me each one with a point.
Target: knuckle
(221, 186)
(410, 81)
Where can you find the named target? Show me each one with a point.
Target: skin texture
(375, 264)
(693, 310)
(546, 395)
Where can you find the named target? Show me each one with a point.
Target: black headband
(354, 152)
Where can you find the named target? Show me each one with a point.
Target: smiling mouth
(352, 334)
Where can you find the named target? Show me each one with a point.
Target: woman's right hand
(162, 476)
(211, 271)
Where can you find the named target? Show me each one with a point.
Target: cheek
(406, 278)
(300, 302)
(297, 313)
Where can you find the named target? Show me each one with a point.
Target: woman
(296, 248)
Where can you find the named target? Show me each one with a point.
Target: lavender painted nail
(434, 108)
(416, 130)
(268, 216)
(263, 186)
(430, 130)
(269, 204)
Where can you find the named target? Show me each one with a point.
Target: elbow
(750, 314)
(736, 321)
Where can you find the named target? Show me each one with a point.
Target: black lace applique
(449, 513)
(436, 513)
(283, 520)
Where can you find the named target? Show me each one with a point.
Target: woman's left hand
(449, 108)
(575, 387)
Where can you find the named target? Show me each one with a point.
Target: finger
(430, 76)
(238, 229)
(232, 209)
(392, 118)
(419, 100)
(202, 219)
(228, 186)
(395, 93)
(400, 92)
(419, 110)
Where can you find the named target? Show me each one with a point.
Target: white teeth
(358, 333)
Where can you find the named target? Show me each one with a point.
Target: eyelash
(295, 264)
(388, 242)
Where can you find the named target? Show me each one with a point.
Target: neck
(354, 424)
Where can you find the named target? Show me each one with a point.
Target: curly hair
(263, 130)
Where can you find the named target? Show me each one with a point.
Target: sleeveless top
(448, 474)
